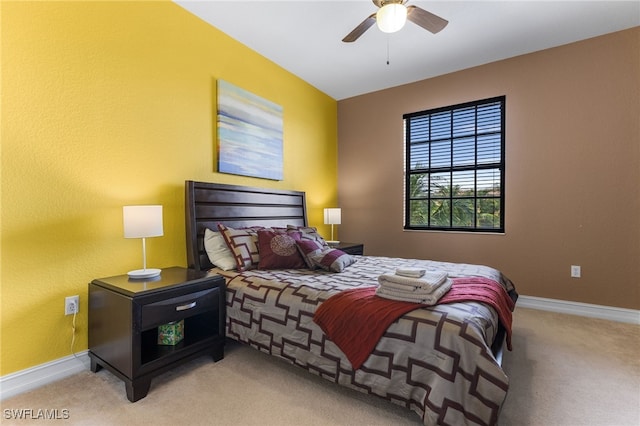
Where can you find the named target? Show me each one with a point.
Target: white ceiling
(304, 36)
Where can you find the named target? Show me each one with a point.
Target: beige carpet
(564, 370)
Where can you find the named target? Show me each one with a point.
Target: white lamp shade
(332, 216)
(391, 17)
(142, 221)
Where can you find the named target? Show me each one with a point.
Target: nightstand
(124, 316)
(349, 248)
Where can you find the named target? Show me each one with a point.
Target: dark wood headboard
(208, 204)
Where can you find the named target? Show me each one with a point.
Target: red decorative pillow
(278, 250)
(243, 245)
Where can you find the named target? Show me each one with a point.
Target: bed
(442, 361)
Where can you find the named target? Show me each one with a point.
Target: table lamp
(143, 222)
(332, 217)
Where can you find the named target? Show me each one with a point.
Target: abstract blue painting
(249, 134)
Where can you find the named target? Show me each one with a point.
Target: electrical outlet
(71, 305)
(575, 271)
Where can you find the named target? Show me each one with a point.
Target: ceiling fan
(391, 17)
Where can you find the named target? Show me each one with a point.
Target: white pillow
(218, 251)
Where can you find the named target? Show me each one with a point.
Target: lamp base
(144, 273)
(333, 243)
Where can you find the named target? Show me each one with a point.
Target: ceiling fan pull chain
(388, 49)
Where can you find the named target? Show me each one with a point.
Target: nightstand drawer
(154, 314)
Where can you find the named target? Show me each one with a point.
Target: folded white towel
(409, 289)
(410, 272)
(426, 299)
(435, 277)
(428, 282)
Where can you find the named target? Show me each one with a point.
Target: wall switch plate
(71, 305)
(575, 271)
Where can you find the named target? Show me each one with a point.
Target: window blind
(454, 167)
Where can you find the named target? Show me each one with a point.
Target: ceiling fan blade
(360, 29)
(426, 20)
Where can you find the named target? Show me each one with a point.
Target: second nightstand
(124, 316)
(349, 248)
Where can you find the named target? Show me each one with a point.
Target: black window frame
(428, 171)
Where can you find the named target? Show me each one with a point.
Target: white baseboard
(40, 375)
(611, 313)
(32, 378)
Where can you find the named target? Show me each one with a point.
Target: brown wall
(572, 179)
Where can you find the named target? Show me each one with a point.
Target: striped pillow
(326, 258)
(309, 233)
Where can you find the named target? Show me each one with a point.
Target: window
(454, 167)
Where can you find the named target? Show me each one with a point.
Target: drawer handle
(185, 307)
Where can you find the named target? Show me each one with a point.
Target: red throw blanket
(355, 320)
(478, 289)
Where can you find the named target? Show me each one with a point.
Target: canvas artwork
(249, 134)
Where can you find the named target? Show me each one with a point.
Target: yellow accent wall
(112, 103)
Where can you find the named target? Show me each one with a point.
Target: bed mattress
(434, 360)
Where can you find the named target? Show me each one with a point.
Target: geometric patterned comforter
(434, 360)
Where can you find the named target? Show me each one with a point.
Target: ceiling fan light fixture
(391, 17)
